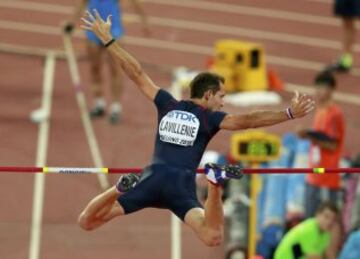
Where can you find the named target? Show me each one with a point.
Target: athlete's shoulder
(163, 94)
(163, 99)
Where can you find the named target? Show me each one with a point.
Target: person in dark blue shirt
(184, 129)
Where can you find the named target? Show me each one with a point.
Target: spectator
(327, 140)
(310, 238)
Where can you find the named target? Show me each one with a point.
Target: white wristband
(289, 113)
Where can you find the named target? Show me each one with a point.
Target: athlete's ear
(207, 95)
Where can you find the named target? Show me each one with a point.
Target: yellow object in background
(245, 60)
(255, 146)
(229, 76)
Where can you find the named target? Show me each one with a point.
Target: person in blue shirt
(351, 248)
(96, 52)
(184, 129)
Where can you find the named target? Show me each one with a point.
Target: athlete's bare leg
(101, 209)
(208, 223)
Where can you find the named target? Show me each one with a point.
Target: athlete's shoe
(115, 117)
(96, 112)
(217, 174)
(127, 182)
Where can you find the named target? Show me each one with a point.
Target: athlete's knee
(213, 237)
(84, 221)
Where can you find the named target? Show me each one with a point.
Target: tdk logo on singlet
(184, 116)
(179, 127)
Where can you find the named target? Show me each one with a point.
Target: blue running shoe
(217, 174)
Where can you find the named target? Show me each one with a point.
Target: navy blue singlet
(183, 132)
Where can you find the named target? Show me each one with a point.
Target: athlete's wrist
(109, 42)
(289, 113)
(105, 38)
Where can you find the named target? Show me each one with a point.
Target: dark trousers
(314, 196)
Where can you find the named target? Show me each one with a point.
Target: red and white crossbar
(105, 170)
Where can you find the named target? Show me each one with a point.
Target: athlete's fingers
(310, 101)
(301, 97)
(109, 19)
(91, 17)
(308, 107)
(305, 99)
(296, 95)
(86, 27)
(87, 22)
(97, 16)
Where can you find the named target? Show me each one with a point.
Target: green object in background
(346, 61)
(319, 170)
(255, 146)
(307, 239)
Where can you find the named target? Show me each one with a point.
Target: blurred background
(264, 49)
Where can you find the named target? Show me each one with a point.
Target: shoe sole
(231, 171)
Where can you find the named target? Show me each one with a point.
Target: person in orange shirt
(327, 141)
(327, 138)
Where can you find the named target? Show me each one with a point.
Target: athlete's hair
(325, 79)
(327, 205)
(203, 82)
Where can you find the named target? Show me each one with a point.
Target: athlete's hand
(97, 25)
(301, 105)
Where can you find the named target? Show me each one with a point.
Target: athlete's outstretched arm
(128, 63)
(300, 106)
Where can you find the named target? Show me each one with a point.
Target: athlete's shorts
(164, 187)
(347, 8)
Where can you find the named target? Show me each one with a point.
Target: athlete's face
(215, 101)
(326, 219)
